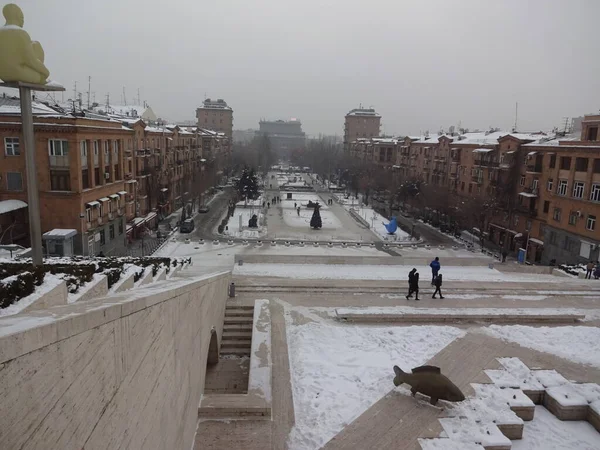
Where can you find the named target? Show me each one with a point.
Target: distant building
(361, 123)
(285, 135)
(243, 136)
(216, 115)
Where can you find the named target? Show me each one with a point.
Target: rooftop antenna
(516, 116)
(107, 102)
(138, 99)
(89, 90)
(124, 97)
(75, 90)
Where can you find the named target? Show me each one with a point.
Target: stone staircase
(237, 331)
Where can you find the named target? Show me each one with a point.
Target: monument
(22, 67)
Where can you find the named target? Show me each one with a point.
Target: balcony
(534, 168)
(59, 161)
(485, 163)
(477, 179)
(530, 192)
(525, 210)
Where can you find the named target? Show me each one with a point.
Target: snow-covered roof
(11, 205)
(60, 233)
(11, 106)
(487, 138)
(363, 112)
(483, 150)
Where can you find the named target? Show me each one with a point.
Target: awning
(527, 194)
(131, 181)
(536, 241)
(94, 203)
(169, 139)
(531, 153)
(11, 205)
(104, 199)
(483, 150)
(510, 152)
(122, 192)
(113, 196)
(150, 216)
(518, 235)
(164, 190)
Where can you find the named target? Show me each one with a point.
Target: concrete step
(235, 343)
(237, 334)
(239, 312)
(238, 320)
(241, 327)
(235, 351)
(218, 406)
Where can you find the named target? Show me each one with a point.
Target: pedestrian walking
(295, 205)
(435, 268)
(504, 255)
(597, 271)
(589, 269)
(413, 284)
(268, 205)
(298, 210)
(438, 286)
(263, 204)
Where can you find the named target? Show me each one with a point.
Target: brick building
(216, 115)
(360, 123)
(107, 179)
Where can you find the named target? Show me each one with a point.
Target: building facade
(109, 180)
(285, 135)
(216, 115)
(361, 123)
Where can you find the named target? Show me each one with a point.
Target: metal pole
(35, 228)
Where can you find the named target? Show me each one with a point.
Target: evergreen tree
(315, 220)
(248, 185)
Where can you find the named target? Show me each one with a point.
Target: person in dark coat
(435, 268)
(438, 286)
(413, 284)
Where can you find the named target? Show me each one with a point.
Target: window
(111, 231)
(573, 218)
(581, 164)
(106, 150)
(565, 163)
(462, 186)
(120, 227)
(102, 237)
(542, 229)
(116, 148)
(553, 237)
(96, 148)
(88, 214)
(528, 225)
(85, 179)
(556, 214)
(11, 146)
(592, 133)
(516, 220)
(595, 193)
(522, 181)
(578, 189)
(590, 225)
(549, 184)
(546, 206)
(552, 161)
(562, 187)
(58, 148)
(470, 188)
(534, 184)
(597, 166)
(60, 180)
(83, 151)
(14, 181)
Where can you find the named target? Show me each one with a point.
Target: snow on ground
(339, 371)
(50, 282)
(578, 344)
(310, 250)
(546, 432)
(292, 219)
(380, 272)
(377, 223)
(245, 232)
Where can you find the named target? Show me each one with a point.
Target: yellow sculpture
(21, 59)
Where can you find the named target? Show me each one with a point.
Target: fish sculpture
(428, 380)
(392, 226)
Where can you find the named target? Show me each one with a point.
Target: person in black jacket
(413, 284)
(438, 285)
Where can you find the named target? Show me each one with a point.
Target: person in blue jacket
(435, 268)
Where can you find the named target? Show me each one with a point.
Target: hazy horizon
(421, 65)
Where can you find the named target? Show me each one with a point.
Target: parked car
(187, 226)
(203, 209)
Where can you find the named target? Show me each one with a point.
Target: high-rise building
(285, 135)
(216, 115)
(361, 123)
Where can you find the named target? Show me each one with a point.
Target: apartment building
(382, 152)
(360, 123)
(80, 169)
(216, 115)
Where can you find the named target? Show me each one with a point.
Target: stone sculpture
(429, 380)
(21, 58)
(392, 226)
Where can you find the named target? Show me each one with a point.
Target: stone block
(53, 297)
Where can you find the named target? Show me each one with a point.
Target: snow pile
(246, 232)
(577, 344)
(406, 310)
(50, 282)
(546, 432)
(468, 431)
(339, 371)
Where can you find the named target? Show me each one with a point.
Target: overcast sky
(421, 64)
